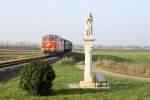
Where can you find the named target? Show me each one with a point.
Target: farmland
(130, 62)
(134, 56)
(11, 55)
(66, 72)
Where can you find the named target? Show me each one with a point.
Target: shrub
(37, 78)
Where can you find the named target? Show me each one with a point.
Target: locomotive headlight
(48, 44)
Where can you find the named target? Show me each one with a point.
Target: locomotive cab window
(52, 38)
(45, 38)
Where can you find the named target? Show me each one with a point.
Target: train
(54, 44)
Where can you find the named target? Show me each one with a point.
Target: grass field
(131, 56)
(66, 72)
(10, 55)
(129, 62)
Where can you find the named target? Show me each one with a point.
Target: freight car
(67, 45)
(53, 44)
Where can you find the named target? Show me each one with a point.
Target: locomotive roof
(48, 34)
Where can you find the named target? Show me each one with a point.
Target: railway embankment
(9, 72)
(12, 70)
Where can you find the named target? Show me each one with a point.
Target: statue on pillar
(88, 45)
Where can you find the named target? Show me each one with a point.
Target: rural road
(115, 74)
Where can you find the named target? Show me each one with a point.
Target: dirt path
(115, 74)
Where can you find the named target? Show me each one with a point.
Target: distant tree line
(19, 45)
(114, 47)
(36, 46)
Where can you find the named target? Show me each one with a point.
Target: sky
(116, 22)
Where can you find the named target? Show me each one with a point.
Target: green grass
(121, 89)
(131, 62)
(10, 55)
(132, 56)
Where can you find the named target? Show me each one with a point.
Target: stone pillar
(88, 45)
(88, 60)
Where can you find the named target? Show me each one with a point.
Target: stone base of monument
(73, 85)
(84, 84)
(87, 85)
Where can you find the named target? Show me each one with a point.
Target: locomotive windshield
(52, 38)
(49, 38)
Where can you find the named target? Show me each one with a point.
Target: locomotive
(53, 44)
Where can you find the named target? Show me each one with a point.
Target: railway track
(13, 68)
(18, 62)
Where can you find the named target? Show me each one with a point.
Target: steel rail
(18, 62)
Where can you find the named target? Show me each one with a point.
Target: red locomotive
(55, 44)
